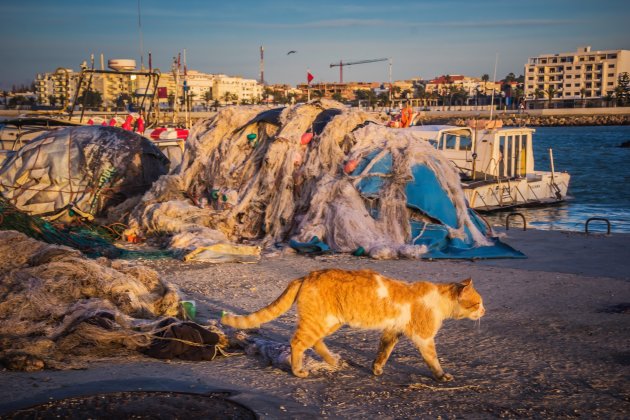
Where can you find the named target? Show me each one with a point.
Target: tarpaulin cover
(426, 195)
(80, 170)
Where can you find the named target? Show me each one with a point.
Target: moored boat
(496, 165)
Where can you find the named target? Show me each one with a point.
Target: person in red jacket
(406, 115)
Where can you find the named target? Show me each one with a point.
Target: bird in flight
(291, 52)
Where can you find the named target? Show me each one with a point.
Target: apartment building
(56, 88)
(468, 84)
(344, 90)
(583, 74)
(59, 87)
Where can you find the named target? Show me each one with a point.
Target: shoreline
(552, 344)
(525, 120)
(512, 118)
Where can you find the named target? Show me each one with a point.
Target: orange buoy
(350, 166)
(306, 138)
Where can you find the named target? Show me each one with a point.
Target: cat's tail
(272, 311)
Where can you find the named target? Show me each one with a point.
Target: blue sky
(423, 38)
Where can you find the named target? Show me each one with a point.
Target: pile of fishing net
(320, 175)
(59, 309)
(81, 172)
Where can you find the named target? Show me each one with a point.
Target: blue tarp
(425, 194)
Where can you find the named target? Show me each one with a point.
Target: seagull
(291, 52)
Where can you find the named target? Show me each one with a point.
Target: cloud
(343, 23)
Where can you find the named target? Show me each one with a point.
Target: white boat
(496, 165)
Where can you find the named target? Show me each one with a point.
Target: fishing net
(252, 177)
(94, 240)
(80, 172)
(59, 309)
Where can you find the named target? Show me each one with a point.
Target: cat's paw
(444, 378)
(300, 373)
(377, 369)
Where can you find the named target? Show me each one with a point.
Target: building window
(612, 56)
(569, 76)
(581, 58)
(569, 68)
(612, 66)
(578, 67)
(611, 74)
(610, 83)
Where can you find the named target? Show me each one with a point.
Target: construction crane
(350, 63)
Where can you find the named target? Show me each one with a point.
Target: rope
(439, 388)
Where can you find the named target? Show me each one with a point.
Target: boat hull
(538, 188)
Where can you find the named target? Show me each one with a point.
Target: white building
(60, 87)
(583, 74)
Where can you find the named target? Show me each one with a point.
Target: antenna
(262, 65)
(141, 40)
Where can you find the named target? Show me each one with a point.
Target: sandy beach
(553, 343)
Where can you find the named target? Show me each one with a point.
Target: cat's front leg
(426, 346)
(388, 341)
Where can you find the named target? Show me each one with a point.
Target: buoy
(214, 194)
(251, 136)
(350, 166)
(359, 251)
(306, 138)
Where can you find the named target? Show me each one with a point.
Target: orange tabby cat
(328, 299)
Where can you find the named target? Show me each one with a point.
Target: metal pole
(551, 164)
(494, 82)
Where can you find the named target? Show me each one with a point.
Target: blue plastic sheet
(425, 194)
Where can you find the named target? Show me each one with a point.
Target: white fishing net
(248, 182)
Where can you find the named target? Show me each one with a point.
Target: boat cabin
(483, 153)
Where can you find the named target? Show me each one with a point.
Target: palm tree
(538, 94)
(485, 79)
(207, 96)
(550, 92)
(582, 94)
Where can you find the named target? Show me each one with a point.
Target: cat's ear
(467, 283)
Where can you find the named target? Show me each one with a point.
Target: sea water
(600, 179)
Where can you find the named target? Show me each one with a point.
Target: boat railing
(494, 172)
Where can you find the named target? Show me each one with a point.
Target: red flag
(309, 77)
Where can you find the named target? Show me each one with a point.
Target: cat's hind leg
(323, 351)
(388, 341)
(306, 336)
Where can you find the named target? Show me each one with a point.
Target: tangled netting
(58, 308)
(81, 172)
(253, 177)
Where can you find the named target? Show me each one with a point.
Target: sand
(554, 341)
